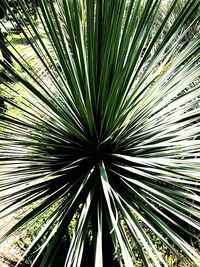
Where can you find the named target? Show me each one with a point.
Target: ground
(9, 253)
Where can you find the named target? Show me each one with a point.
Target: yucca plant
(194, 29)
(106, 134)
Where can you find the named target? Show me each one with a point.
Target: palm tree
(107, 134)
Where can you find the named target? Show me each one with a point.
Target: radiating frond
(107, 129)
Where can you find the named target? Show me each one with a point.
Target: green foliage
(106, 139)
